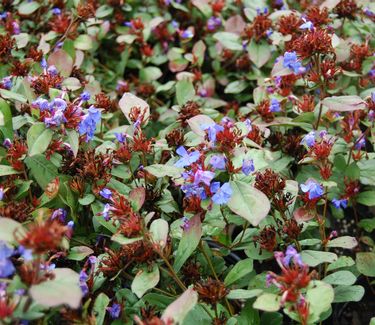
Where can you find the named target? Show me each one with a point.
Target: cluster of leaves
(178, 162)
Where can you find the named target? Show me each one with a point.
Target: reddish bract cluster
(44, 237)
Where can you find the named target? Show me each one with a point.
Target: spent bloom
(313, 188)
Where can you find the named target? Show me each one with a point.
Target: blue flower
(27, 254)
(85, 96)
(291, 254)
(43, 63)
(57, 118)
(313, 188)
(6, 265)
(59, 214)
(114, 311)
(309, 139)
(247, 166)
(275, 106)
(291, 62)
(361, 143)
(203, 176)
(187, 158)
(223, 194)
(120, 137)
(187, 33)
(212, 130)
(7, 83)
(218, 162)
(307, 25)
(194, 190)
(106, 193)
(106, 210)
(88, 124)
(248, 124)
(56, 11)
(2, 192)
(337, 203)
(83, 277)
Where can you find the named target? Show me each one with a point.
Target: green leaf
(6, 123)
(8, 170)
(184, 91)
(178, 309)
(366, 263)
(43, 170)
(78, 253)
(122, 240)
(341, 278)
(366, 198)
(145, 280)
(241, 269)
(367, 224)
(230, 41)
(149, 74)
(26, 8)
(160, 170)
(159, 232)
(314, 258)
(367, 171)
(259, 53)
(190, 239)
(236, 87)
(248, 202)
(100, 308)
(320, 296)
(8, 227)
(63, 289)
(87, 199)
(38, 138)
(346, 293)
(7, 94)
(347, 242)
(103, 11)
(267, 302)
(342, 261)
(344, 103)
(23, 189)
(243, 294)
(83, 42)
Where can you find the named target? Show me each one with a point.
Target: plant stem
(172, 272)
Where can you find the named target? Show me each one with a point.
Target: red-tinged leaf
(190, 239)
(137, 197)
(302, 214)
(235, 24)
(198, 50)
(178, 309)
(62, 61)
(344, 103)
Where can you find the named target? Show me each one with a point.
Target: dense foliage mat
(187, 162)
